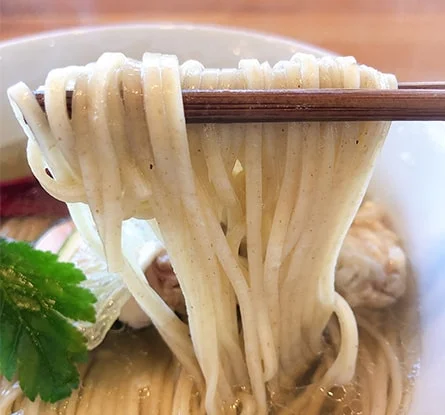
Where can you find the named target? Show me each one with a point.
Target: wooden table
(406, 37)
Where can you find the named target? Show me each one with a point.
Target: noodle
(286, 192)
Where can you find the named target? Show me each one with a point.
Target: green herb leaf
(38, 343)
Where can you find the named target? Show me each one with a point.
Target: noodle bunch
(252, 215)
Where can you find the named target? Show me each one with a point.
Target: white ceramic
(409, 178)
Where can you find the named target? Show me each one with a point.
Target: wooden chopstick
(422, 85)
(412, 101)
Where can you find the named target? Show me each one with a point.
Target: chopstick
(412, 101)
(422, 85)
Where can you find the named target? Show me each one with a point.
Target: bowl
(409, 177)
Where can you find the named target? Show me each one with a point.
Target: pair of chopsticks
(411, 101)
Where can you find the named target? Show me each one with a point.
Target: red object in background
(25, 197)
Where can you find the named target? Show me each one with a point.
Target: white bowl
(409, 177)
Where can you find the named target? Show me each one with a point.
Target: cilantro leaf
(38, 342)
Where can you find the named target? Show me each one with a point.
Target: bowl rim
(161, 25)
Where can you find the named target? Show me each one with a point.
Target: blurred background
(406, 37)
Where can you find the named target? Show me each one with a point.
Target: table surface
(405, 37)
